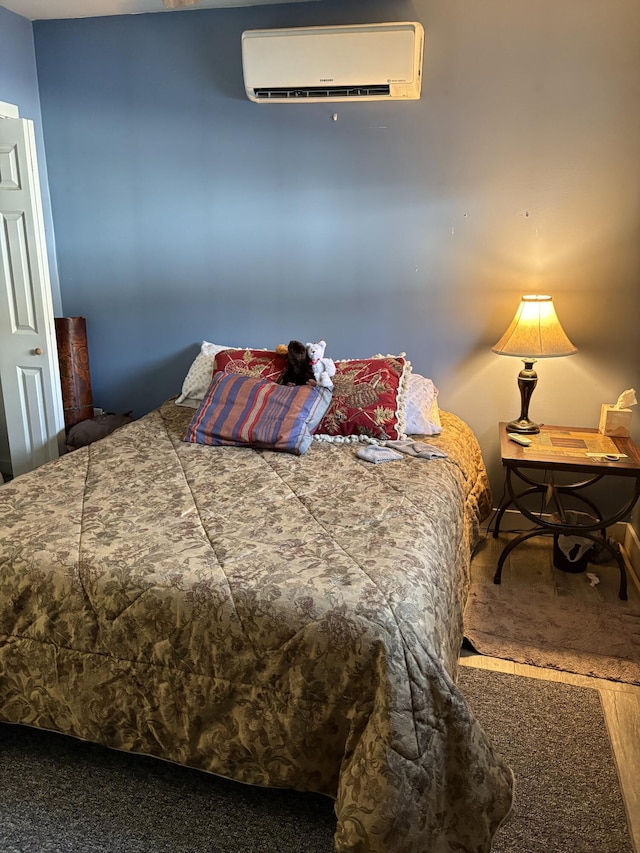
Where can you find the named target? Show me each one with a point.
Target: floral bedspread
(283, 621)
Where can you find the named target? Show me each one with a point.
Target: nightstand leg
(615, 552)
(512, 499)
(510, 546)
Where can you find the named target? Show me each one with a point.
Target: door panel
(32, 393)
(15, 260)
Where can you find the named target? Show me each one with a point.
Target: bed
(282, 620)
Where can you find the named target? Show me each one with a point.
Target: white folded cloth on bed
(416, 448)
(377, 453)
(390, 451)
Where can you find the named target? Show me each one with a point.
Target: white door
(33, 417)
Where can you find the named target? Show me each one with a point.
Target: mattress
(285, 621)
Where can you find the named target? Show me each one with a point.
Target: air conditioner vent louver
(357, 62)
(322, 92)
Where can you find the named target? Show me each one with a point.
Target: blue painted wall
(185, 212)
(19, 86)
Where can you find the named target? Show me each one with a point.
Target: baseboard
(511, 521)
(631, 550)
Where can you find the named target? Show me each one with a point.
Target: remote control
(519, 439)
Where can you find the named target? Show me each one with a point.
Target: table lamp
(535, 332)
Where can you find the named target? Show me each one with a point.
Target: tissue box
(615, 421)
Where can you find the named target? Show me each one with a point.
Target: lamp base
(523, 425)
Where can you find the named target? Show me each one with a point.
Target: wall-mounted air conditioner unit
(360, 62)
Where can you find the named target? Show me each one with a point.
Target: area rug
(538, 627)
(60, 795)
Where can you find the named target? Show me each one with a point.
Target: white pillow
(422, 413)
(199, 376)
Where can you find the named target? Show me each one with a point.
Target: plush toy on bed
(299, 371)
(323, 368)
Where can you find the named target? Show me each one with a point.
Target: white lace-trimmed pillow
(421, 406)
(199, 377)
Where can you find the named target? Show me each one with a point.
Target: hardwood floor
(620, 702)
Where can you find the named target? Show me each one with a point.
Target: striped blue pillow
(245, 411)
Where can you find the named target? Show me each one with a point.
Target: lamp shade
(535, 331)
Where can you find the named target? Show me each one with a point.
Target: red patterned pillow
(261, 364)
(368, 398)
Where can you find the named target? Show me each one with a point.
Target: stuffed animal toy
(323, 368)
(299, 371)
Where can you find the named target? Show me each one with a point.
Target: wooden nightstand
(560, 450)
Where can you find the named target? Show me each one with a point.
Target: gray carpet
(555, 739)
(59, 795)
